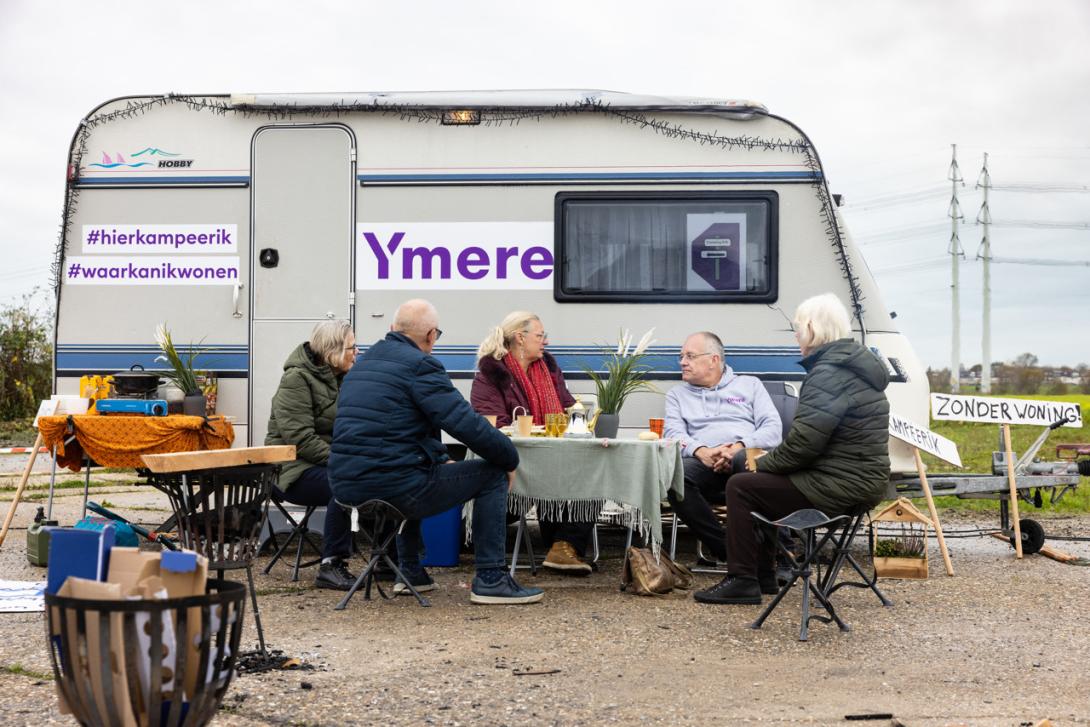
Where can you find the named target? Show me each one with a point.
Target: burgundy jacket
(495, 390)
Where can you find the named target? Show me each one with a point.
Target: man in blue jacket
(716, 415)
(386, 445)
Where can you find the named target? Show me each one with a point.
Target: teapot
(577, 425)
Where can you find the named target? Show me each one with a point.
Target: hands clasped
(718, 459)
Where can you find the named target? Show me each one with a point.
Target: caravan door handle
(235, 295)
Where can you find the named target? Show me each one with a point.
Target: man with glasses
(716, 415)
(387, 445)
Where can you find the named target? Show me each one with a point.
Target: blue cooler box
(441, 534)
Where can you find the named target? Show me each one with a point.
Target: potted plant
(902, 552)
(623, 375)
(181, 372)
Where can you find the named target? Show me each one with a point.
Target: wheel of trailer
(1033, 536)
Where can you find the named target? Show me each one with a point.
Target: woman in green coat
(303, 410)
(834, 458)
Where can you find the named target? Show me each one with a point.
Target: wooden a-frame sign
(922, 438)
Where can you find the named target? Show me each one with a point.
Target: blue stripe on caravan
(583, 176)
(171, 181)
(108, 359)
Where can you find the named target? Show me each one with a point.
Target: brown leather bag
(650, 577)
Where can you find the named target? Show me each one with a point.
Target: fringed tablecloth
(574, 479)
(118, 440)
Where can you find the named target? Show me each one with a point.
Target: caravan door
(303, 208)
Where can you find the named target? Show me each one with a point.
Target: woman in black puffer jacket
(834, 458)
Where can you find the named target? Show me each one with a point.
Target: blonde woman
(834, 458)
(515, 370)
(303, 410)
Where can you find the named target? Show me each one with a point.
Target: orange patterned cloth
(118, 440)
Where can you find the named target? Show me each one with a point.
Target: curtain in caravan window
(655, 247)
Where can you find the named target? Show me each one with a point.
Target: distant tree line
(1023, 375)
(26, 356)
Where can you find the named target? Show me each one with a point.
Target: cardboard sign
(955, 408)
(923, 438)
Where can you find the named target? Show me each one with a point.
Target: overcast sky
(882, 89)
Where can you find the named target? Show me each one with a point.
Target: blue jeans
(312, 488)
(450, 485)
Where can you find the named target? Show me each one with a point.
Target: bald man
(387, 445)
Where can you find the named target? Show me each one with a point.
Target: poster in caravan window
(716, 251)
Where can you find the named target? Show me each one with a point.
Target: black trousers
(771, 495)
(701, 485)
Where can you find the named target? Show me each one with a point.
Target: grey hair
(327, 341)
(499, 339)
(820, 320)
(712, 344)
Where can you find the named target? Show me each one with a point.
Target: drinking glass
(561, 424)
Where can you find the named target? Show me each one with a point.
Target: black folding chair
(842, 544)
(806, 524)
(299, 530)
(379, 523)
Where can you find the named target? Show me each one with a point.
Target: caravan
(242, 220)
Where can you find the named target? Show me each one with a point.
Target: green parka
(303, 410)
(837, 451)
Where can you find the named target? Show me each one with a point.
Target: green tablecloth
(576, 478)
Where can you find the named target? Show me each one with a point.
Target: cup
(550, 425)
(752, 453)
(491, 419)
(561, 424)
(525, 424)
(656, 425)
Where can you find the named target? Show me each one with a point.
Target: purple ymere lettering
(380, 254)
(474, 262)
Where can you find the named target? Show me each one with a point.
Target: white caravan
(241, 220)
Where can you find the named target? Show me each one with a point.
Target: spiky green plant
(181, 374)
(623, 374)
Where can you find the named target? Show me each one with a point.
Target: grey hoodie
(736, 409)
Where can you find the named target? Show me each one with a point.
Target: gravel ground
(1004, 642)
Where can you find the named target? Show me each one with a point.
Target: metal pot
(135, 382)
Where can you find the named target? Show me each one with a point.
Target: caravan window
(666, 247)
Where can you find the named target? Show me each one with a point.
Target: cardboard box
(185, 573)
(75, 587)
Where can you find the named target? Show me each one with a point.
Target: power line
(1040, 261)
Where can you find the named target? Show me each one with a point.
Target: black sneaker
(421, 581)
(769, 583)
(732, 590)
(334, 576)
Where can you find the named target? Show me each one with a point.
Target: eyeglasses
(438, 333)
(690, 357)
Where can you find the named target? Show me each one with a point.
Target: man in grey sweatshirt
(716, 415)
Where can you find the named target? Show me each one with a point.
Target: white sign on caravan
(454, 255)
(112, 239)
(922, 438)
(151, 270)
(952, 407)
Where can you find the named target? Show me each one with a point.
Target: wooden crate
(901, 567)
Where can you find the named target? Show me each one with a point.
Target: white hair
(820, 320)
(416, 318)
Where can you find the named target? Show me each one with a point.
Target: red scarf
(538, 386)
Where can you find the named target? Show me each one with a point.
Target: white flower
(162, 337)
(626, 341)
(644, 343)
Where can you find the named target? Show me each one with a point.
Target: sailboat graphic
(108, 163)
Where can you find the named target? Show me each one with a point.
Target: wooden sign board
(923, 438)
(993, 410)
